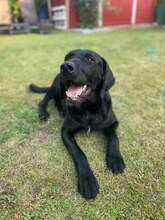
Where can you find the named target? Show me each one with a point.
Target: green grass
(37, 176)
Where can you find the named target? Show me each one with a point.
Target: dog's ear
(108, 78)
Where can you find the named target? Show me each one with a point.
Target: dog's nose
(68, 66)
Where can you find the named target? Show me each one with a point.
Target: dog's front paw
(116, 163)
(88, 185)
(43, 116)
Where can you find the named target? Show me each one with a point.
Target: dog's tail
(38, 89)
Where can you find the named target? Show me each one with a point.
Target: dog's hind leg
(43, 114)
(52, 92)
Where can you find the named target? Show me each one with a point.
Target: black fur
(38, 89)
(93, 112)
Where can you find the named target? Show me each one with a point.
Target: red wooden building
(111, 12)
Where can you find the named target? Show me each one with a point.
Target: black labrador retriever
(80, 92)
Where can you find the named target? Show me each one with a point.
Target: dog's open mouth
(77, 92)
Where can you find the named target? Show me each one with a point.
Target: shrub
(88, 12)
(15, 9)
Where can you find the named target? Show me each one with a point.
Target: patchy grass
(37, 176)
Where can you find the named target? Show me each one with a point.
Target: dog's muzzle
(68, 67)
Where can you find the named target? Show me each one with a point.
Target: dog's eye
(90, 59)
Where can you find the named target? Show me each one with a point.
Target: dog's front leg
(87, 183)
(114, 158)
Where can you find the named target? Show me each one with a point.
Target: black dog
(80, 92)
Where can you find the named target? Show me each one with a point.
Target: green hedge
(88, 12)
(15, 9)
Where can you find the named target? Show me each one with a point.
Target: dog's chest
(91, 121)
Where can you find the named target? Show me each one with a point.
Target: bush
(88, 12)
(15, 9)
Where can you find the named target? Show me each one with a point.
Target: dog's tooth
(84, 87)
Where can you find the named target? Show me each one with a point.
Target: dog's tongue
(75, 91)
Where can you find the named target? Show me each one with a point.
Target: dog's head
(85, 72)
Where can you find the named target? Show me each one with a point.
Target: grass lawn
(37, 176)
